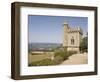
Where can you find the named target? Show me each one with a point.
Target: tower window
(72, 40)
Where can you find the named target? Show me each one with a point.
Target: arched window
(72, 40)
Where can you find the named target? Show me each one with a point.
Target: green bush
(84, 45)
(64, 54)
(69, 53)
(44, 62)
(58, 60)
(60, 53)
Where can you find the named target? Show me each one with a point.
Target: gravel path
(76, 59)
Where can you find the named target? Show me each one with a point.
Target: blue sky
(49, 29)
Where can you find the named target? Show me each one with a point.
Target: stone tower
(65, 33)
(71, 37)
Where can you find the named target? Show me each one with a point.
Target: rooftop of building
(73, 29)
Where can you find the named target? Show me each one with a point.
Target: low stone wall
(73, 49)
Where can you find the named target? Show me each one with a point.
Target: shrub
(64, 54)
(69, 53)
(58, 60)
(84, 45)
(61, 54)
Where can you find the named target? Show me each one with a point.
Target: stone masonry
(71, 37)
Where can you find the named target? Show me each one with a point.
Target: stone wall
(73, 49)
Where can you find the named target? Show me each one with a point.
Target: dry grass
(34, 58)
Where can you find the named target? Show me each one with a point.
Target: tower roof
(65, 22)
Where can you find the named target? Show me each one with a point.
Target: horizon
(45, 43)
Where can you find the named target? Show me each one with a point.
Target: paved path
(76, 59)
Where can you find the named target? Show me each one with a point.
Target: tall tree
(84, 44)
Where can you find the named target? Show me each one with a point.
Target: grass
(44, 62)
(34, 58)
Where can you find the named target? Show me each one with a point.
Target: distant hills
(43, 46)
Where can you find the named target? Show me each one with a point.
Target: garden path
(76, 59)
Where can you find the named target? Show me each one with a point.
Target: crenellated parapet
(75, 29)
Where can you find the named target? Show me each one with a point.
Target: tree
(84, 44)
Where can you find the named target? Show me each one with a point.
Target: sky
(49, 29)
